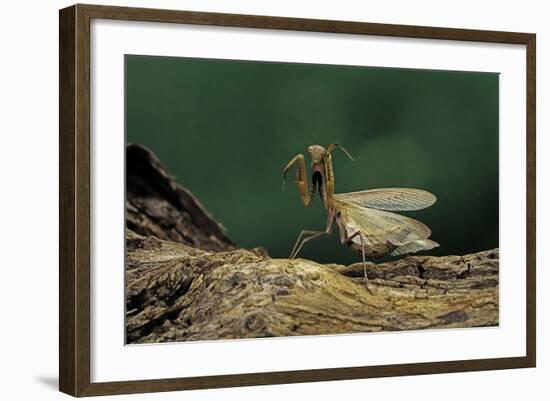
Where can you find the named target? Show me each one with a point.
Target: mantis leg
(312, 235)
(300, 242)
(345, 239)
(301, 179)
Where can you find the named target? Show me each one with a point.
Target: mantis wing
(380, 227)
(415, 246)
(392, 199)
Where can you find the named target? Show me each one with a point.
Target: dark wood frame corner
(74, 203)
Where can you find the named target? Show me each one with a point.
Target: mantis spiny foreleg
(301, 179)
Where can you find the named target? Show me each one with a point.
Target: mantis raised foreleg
(301, 178)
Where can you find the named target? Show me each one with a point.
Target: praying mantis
(365, 220)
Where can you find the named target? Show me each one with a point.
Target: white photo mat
(111, 360)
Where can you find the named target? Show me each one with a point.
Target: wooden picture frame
(74, 204)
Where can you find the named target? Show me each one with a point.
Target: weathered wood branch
(157, 205)
(182, 287)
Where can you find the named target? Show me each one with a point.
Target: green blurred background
(225, 129)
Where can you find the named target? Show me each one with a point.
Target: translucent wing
(380, 227)
(392, 199)
(415, 246)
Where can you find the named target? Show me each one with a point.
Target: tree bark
(157, 205)
(186, 281)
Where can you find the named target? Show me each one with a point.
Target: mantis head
(318, 156)
(317, 153)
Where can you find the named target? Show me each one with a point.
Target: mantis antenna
(333, 146)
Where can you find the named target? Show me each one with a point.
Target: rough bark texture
(186, 281)
(156, 205)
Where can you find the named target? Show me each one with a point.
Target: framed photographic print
(251, 200)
